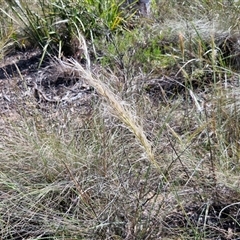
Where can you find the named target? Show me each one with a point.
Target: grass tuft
(119, 109)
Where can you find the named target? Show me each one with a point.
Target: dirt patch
(19, 61)
(24, 85)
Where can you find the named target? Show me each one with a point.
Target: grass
(134, 137)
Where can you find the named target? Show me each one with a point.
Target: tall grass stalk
(120, 110)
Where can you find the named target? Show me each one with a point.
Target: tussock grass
(115, 104)
(69, 173)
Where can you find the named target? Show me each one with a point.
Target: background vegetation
(152, 152)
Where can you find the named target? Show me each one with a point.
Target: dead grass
(140, 155)
(67, 175)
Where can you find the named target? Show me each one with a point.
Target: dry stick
(122, 113)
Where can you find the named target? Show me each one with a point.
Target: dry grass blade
(118, 108)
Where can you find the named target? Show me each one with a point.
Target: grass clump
(54, 24)
(71, 179)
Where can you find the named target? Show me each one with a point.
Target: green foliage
(155, 56)
(133, 49)
(54, 23)
(6, 29)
